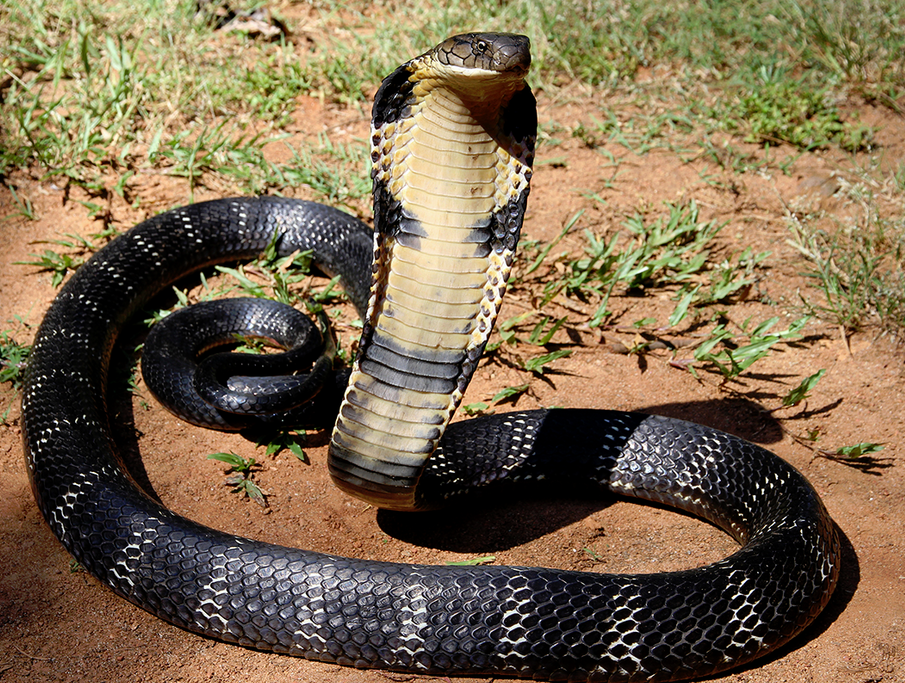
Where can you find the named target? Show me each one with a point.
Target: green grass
(241, 476)
(76, 250)
(733, 352)
(669, 254)
(778, 108)
(108, 90)
(95, 84)
(13, 361)
(13, 358)
(99, 95)
(857, 270)
(670, 249)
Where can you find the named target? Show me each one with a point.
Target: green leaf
(802, 391)
(538, 363)
(328, 293)
(286, 440)
(93, 209)
(682, 309)
(593, 554)
(718, 334)
(154, 147)
(546, 250)
(229, 458)
(509, 392)
(763, 327)
(13, 359)
(237, 462)
(251, 288)
(270, 254)
(538, 337)
(297, 450)
(475, 408)
(473, 562)
(254, 492)
(860, 449)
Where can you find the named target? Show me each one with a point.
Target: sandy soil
(61, 625)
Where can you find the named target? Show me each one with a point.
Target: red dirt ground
(59, 625)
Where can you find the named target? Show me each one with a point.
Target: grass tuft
(858, 271)
(779, 108)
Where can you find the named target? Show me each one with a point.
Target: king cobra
(452, 148)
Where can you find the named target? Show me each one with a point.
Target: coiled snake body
(439, 223)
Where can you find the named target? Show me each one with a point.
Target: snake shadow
(503, 519)
(735, 415)
(488, 522)
(120, 406)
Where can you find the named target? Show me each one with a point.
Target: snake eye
(481, 47)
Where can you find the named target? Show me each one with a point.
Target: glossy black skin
(525, 622)
(528, 622)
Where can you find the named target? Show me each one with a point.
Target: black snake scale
(528, 622)
(234, 391)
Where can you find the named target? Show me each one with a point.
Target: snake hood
(475, 65)
(452, 140)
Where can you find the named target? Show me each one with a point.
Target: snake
(452, 137)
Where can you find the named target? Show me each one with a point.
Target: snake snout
(513, 54)
(502, 53)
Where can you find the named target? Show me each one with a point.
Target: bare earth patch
(60, 625)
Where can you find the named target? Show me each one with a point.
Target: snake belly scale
(453, 144)
(527, 622)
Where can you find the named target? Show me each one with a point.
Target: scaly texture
(528, 622)
(452, 140)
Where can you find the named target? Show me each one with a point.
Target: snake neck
(451, 171)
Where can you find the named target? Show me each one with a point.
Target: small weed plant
(241, 476)
(857, 270)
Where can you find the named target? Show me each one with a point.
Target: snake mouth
(477, 55)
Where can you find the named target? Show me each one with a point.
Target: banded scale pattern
(452, 154)
(234, 391)
(529, 622)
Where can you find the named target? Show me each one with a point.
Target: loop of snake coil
(528, 622)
